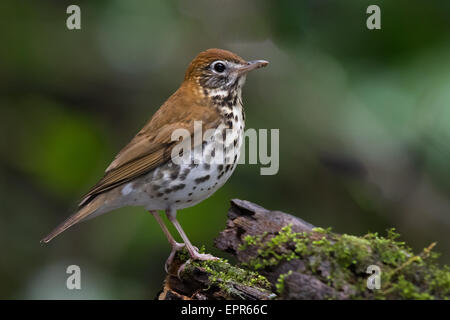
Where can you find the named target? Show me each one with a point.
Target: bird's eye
(219, 67)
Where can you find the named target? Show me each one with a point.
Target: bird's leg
(175, 245)
(193, 252)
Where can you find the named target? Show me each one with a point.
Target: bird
(162, 173)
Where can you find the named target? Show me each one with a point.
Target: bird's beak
(252, 65)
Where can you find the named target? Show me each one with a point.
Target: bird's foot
(195, 255)
(202, 256)
(175, 248)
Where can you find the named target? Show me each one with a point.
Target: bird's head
(220, 70)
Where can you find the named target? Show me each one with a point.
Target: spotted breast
(186, 184)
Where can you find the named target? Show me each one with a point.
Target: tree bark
(280, 256)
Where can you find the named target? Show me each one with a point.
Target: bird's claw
(195, 256)
(181, 268)
(175, 248)
(203, 256)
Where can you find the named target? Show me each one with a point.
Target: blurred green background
(364, 119)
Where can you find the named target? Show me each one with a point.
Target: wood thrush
(144, 172)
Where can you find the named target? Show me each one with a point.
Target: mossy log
(283, 257)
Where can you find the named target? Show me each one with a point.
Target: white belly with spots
(184, 185)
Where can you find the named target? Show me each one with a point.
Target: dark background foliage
(364, 123)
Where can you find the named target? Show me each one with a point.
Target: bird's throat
(227, 99)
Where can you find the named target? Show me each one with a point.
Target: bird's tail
(85, 211)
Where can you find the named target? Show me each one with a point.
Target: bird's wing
(153, 145)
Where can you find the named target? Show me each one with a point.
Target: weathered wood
(248, 219)
(195, 283)
(283, 257)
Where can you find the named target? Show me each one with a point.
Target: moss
(225, 276)
(322, 230)
(268, 251)
(408, 290)
(440, 280)
(390, 251)
(251, 241)
(279, 285)
(341, 261)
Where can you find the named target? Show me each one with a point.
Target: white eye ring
(218, 66)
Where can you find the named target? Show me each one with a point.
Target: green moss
(280, 282)
(342, 260)
(268, 251)
(408, 290)
(439, 280)
(251, 241)
(322, 230)
(390, 251)
(226, 276)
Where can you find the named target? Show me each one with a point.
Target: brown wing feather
(130, 171)
(152, 146)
